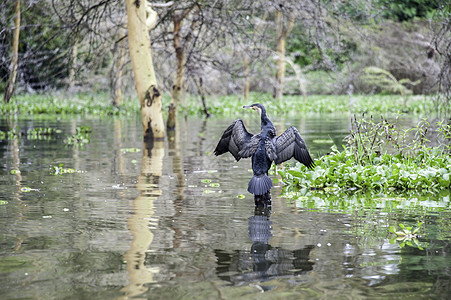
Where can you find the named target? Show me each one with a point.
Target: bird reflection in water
(264, 262)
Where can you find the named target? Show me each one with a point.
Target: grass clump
(381, 157)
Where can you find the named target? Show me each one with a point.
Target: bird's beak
(248, 106)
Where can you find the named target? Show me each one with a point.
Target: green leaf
(295, 173)
(392, 229)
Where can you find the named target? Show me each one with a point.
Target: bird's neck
(265, 121)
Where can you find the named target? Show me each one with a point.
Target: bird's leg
(263, 200)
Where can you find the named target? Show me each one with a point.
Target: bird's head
(257, 107)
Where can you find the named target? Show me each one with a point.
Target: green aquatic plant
(60, 170)
(9, 134)
(380, 156)
(40, 133)
(429, 172)
(96, 104)
(99, 104)
(406, 236)
(82, 136)
(26, 189)
(37, 133)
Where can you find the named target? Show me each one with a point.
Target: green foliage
(99, 105)
(387, 82)
(59, 104)
(306, 53)
(42, 45)
(232, 105)
(404, 10)
(380, 158)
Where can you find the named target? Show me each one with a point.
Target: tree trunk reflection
(138, 223)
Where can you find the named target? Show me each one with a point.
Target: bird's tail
(259, 184)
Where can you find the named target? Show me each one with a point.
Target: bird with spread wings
(264, 148)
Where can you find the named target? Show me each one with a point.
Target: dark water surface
(174, 225)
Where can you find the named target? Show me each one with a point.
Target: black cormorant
(264, 148)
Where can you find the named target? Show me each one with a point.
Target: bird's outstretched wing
(233, 140)
(249, 148)
(290, 144)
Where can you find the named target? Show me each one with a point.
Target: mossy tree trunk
(141, 18)
(9, 89)
(282, 32)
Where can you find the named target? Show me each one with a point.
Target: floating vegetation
(241, 196)
(206, 181)
(3, 202)
(98, 104)
(82, 136)
(60, 170)
(214, 184)
(26, 189)
(406, 236)
(208, 192)
(381, 157)
(14, 172)
(10, 134)
(128, 150)
(40, 133)
(37, 133)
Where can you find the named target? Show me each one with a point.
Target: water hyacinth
(340, 170)
(381, 157)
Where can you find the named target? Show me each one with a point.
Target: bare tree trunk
(282, 33)
(202, 96)
(117, 71)
(146, 86)
(246, 76)
(9, 89)
(73, 64)
(177, 87)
